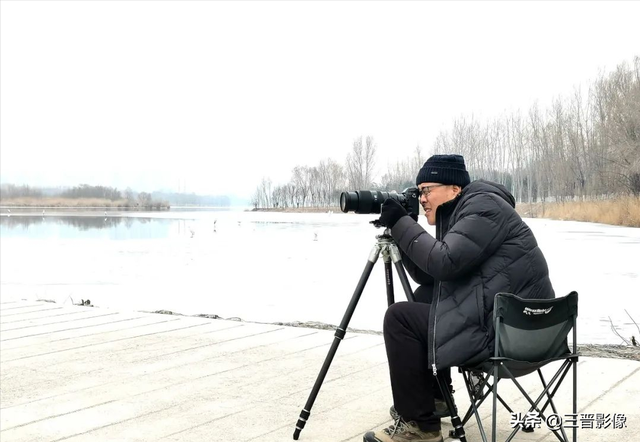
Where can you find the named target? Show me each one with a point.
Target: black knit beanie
(444, 169)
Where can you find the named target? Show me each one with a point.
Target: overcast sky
(211, 96)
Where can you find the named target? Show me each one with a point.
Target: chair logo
(537, 311)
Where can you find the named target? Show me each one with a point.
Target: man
(481, 247)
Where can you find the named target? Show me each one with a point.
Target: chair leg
(575, 394)
(549, 390)
(550, 399)
(496, 366)
(475, 403)
(534, 404)
(490, 390)
(478, 396)
(475, 391)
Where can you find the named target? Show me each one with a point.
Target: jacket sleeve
(481, 227)
(418, 275)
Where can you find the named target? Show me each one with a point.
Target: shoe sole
(371, 437)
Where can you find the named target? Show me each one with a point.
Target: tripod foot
(302, 420)
(458, 429)
(455, 437)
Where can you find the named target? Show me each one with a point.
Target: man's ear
(457, 189)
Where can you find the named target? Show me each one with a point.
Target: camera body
(370, 201)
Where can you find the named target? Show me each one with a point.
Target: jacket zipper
(435, 320)
(435, 317)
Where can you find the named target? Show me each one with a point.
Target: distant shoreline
(35, 203)
(588, 350)
(73, 211)
(624, 211)
(298, 210)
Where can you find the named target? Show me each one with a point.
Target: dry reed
(622, 211)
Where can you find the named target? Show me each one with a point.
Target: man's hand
(391, 212)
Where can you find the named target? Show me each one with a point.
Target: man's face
(434, 194)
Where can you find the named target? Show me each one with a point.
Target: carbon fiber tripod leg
(338, 336)
(389, 250)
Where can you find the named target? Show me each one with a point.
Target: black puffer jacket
(482, 247)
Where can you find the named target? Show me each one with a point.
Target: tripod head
(385, 235)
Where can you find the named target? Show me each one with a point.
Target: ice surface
(273, 267)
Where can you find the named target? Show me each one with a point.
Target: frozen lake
(278, 267)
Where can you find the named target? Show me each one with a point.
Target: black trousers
(412, 382)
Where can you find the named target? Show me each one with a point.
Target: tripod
(389, 250)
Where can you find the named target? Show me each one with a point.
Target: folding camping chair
(529, 334)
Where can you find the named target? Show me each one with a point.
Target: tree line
(321, 185)
(9, 191)
(12, 191)
(87, 191)
(127, 198)
(585, 145)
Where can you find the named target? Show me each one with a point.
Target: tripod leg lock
(395, 254)
(340, 333)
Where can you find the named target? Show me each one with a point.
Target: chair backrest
(534, 330)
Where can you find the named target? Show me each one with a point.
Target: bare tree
(360, 163)
(263, 193)
(337, 181)
(584, 145)
(301, 182)
(255, 199)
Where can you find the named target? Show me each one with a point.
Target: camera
(370, 201)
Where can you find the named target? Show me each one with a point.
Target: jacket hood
(484, 186)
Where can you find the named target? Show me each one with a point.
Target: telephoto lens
(370, 201)
(366, 201)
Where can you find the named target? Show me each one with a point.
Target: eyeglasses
(426, 190)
